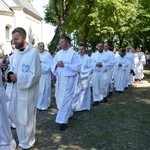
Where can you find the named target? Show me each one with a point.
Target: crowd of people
(78, 76)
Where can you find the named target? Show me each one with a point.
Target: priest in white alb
(24, 75)
(121, 66)
(44, 95)
(140, 67)
(131, 67)
(82, 96)
(101, 66)
(111, 56)
(66, 66)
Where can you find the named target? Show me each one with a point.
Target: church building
(18, 13)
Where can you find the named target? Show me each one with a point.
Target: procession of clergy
(77, 77)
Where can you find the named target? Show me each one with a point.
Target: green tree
(56, 12)
(142, 25)
(123, 22)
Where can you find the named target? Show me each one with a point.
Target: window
(7, 32)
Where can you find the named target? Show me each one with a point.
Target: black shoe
(102, 101)
(110, 94)
(20, 148)
(126, 88)
(120, 92)
(105, 100)
(95, 103)
(63, 126)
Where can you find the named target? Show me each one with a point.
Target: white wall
(6, 20)
(20, 19)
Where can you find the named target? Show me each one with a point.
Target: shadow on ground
(121, 124)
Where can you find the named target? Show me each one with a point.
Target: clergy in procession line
(44, 95)
(23, 77)
(82, 96)
(66, 66)
(111, 56)
(101, 65)
(6, 140)
(121, 65)
(131, 67)
(136, 63)
(142, 61)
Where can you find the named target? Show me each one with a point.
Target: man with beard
(22, 89)
(66, 66)
(101, 66)
(111, 56)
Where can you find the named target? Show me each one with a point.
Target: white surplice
(142, 61)
(66, 80)
(6, 139)
(100, 75)
(120, 73)
(131, 65)
(136, 63)
(7, 104)
(82, 96)
(111, 61)
(44, 96)
(24, 93)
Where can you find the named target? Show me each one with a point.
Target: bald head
(41, 47)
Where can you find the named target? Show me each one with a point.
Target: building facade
(18, 13)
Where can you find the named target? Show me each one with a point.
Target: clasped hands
(99, 64)
(119, 64)
(13, 77)
(60, 64)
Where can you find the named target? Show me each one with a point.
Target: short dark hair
(81, 44)
(20, 30)
(67, 38)
(123, 51)
(101, 42)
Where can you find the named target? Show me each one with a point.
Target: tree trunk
(120, 41)
(53, 46)
(147, 44)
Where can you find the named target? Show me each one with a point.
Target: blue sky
(48, 30)
(38, 5)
